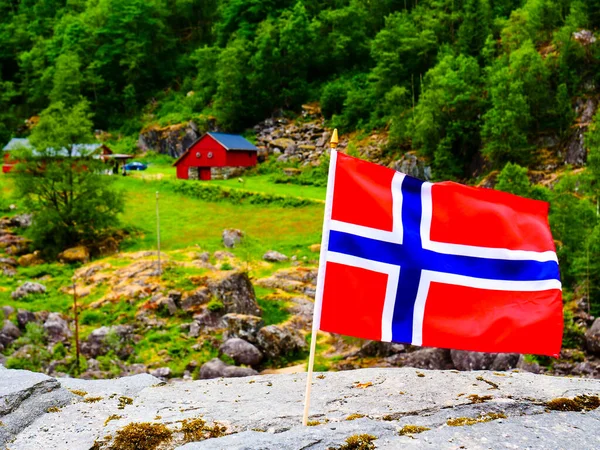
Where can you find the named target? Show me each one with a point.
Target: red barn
(215, 150)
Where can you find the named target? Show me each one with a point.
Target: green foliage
(446, 120)
(273, 311)
(72, 201)
(213, 193)
(513, 179)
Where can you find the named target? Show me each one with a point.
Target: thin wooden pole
(158, 235)
(76, 314)
(311, 364)
(321, 275)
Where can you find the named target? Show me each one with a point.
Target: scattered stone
(31, 259)
(79, 254)
(7, 310)
(220, 255)
(21, 221)
(24, 317)
(231, 237)
(100, 341)
(241, 351)
(276, 341)
(215, 368)
(208, 319)
(378, 349)
(274, 256)
(464, 360)
(27, 288)
(315, 248)
(57, 328)
(9, 333)
(194, 330)
(505, 361)
(426, 358)
(161, 372)
(592, 338)
(242, 326)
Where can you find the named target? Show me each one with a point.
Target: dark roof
(233, 141)
(229, 141)
(78, 150)
(16, 143)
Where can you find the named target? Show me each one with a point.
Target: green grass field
(189, 222)
(254, 183)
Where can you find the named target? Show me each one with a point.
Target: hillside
(495, 93)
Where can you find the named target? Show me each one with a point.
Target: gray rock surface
(278, 340)
(8, 333)
(24, 317)
(241, 351)
(57, 328)
(274, 256)
(29, 287)
(463, 360)
(103, 339)
(242, 326)
(264, 412)
(592, 338)
(215, 368)
(231, 237)
(24, 396)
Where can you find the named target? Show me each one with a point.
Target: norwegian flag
(436, 264)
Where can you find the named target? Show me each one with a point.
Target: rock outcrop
(400, 408)
(592, 338)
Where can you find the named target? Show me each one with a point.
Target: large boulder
(273, 256)
(103, 339)
(241, 351)
(233, 289)
(79, 254)
(215, 368)
(24, 317)
(57, 328)
(171, 140)
(9, 333)
(464, 360)
(242, 326)
(592, 338)
(27, 288)
(236, 292)
(276, 341)
(31, 259)
(231, 237)
(8, 266)
(425, 358)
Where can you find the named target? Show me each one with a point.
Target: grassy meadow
(187, 226)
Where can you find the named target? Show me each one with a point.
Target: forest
(471, 85)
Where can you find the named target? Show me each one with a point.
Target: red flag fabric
(436, 264)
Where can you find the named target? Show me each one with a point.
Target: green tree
(475, 27)
(67, 80)
(513, 179)
(230, 104)
(62, 184)
(447, 117)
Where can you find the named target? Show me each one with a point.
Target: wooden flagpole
(317, 310)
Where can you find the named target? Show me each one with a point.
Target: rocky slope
(403, 407)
